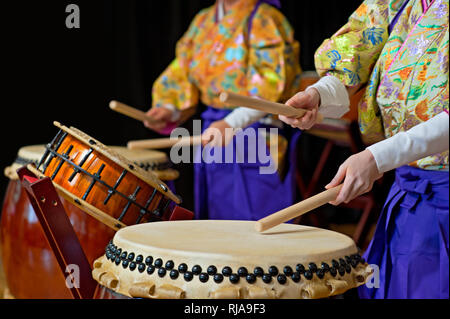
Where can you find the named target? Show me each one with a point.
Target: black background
(53, 73)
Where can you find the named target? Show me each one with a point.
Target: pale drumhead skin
(25, 155)
(231, 244)
(33, 153)
(141, 155)
(149, 158)
(230, 241)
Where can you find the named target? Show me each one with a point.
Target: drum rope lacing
(52, 150)
(117, 256)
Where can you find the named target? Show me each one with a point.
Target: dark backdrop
(53, 73)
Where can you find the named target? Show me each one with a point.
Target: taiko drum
(31, 270)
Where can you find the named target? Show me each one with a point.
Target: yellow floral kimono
(215, 56)
(399, 49)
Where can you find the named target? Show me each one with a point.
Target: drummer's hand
(308, 100)
(219, 133)
(360, 172)
(162, 115)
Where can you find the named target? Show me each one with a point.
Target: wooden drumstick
(263, 105)
(297, 209)
(167, 142)
(131, 112)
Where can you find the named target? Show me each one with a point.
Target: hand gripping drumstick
(158, 143)
(131, 112)
(297, 209)
(263, 105)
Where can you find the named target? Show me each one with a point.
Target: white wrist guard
(175, 112)
(242, 117)
(427, 138)
(334, 100)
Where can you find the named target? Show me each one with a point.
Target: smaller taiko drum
(102, 182)
(227, 260)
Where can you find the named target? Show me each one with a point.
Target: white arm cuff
(334, 100)
(175, 112)
(242, 117)
(427, 138)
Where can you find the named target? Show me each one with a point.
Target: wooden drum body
(227, 260)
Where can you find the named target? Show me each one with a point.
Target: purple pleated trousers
(238, 191)
(410, 244)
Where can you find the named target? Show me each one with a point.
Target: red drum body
(31, 269)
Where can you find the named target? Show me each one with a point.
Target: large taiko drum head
(229, 259)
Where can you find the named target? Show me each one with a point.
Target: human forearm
(425, 139)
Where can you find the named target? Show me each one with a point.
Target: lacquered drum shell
(99, 192)
(31, 269)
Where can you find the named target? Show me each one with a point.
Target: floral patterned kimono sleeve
(273, 56)
(352, 52)
(173, 86)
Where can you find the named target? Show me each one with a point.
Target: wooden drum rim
(82, 204)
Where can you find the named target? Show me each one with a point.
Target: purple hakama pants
(238, 191)
(410, 244)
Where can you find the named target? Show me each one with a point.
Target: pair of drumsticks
(225, 97)
(274, 219)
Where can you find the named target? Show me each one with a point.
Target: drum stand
(60, 234)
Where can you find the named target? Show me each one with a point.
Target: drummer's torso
(221, 52)
(409, 83)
